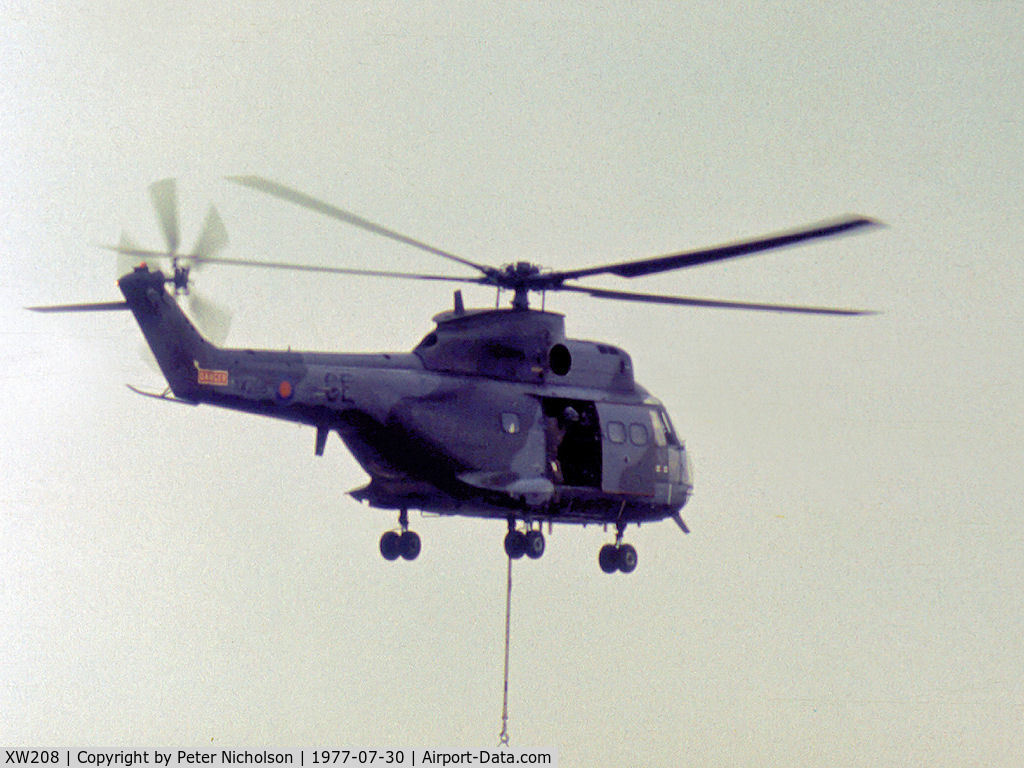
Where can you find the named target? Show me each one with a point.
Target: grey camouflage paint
(457, 426)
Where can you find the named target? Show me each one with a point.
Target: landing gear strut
(617, 556)
(519, 543)
(405, 544)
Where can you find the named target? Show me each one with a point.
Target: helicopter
(495, 413)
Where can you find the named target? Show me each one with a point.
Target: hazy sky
(850, 594)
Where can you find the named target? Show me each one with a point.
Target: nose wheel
(617, 556)
(405, 544)
(614, 558)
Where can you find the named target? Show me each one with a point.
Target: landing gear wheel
(409, 544)
(627, 558)
(390, 545)
(515, 544)
(608, 558)
(534, 541)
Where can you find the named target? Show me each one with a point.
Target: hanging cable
(503, 736)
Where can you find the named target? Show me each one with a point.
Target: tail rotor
(213, 319)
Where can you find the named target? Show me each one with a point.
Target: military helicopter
(496, 413)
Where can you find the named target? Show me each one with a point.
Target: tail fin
(179, 348)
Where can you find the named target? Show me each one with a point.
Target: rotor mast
(519, 277)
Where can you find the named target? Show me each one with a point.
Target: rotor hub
(520, 277)
(521, 270)
(180, 277)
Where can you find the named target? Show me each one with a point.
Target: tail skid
(166, 395)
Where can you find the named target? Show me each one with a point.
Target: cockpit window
(658, 428)
(661, 415)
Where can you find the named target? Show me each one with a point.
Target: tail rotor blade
(126, 260)
(164, 195)
(213, 319)
(212, 240)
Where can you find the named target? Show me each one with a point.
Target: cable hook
(503, 736)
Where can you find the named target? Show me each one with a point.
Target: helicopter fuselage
(494, 414)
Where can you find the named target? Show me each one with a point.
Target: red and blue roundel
(285, 390)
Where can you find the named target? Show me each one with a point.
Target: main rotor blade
(103, 306)
(306, 201)
(828, 228)
(651, 298)
(164, 194)
(330, 270)
(198, 260)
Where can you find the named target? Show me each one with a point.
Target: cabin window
(638, 434)
(510, 423)
(616, 432)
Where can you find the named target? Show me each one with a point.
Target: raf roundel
(284, 390)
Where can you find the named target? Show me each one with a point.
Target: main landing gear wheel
(534, 544)
(515, 544)
(607, 558)
(519, 543)
(406, 544)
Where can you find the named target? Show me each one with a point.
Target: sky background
(851, 591)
